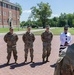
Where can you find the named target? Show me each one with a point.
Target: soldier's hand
(66, 44)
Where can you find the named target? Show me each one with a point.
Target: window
(0, 12)
(4, 14)
(0, 3)
(9, 6)
(13, 7)
(4, 5)
(18, 9)
(0, 20)
(14, 15)
(14, 22)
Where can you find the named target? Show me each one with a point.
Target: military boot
(32, 60)
(7, 62)
(16, 62)
(47, 59)
(25, 59)
(43, 59)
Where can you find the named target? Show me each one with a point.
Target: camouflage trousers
(10, 50)
(31, 52)
(29, 47)
(46, 50)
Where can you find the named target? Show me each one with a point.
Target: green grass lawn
(38, 32)
(56, 31)
(4, 30)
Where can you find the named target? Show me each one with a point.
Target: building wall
(5, 9)
(0, 15)
(18, 17)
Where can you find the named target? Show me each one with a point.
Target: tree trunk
(43, 23)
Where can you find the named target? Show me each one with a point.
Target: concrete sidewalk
(22, 32)
(37, 68)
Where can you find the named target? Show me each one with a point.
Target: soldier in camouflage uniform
(46, 38)
(28, 39)
(10, 38)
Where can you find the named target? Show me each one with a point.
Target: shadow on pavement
(53, 66)
(5, 65)
(13, 66)
(18, 65)
(33, 65)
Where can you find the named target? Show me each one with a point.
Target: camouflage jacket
(28, 37)
(10, 39)
(47, 37)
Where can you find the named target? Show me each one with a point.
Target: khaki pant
(10, 50)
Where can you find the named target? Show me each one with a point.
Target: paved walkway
(29, 69)
(22, 32)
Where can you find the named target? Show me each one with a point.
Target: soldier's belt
(12, 46)
(28, 42)
(47, 42)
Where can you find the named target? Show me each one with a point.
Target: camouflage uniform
(11, 40)
(46, 39)
(28, 39)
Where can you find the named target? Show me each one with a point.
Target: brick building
(9, 10)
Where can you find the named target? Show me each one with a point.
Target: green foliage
(42, 13)
(5, 30)
(22, 23)
(62, 20)
(20, 8)
(56, 31)
(40, 16)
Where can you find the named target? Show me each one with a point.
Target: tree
(42, 13)
(20, 8)
(70, 17)
(62, 20)
(22, 24)
(72, 22)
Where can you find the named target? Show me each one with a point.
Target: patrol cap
(47, 26)
(66, 27)
(11, 28)
(28, 26)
